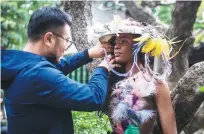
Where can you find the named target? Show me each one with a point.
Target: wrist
(90, 53)
(104, 66)
(107, 70)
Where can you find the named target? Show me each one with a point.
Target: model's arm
(165, 109)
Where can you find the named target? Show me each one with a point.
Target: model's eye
(124, 41)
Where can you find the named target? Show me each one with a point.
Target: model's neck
(128, 66)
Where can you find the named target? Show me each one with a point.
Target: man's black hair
(45, 19)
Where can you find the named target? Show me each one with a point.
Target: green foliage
(200, 17)
(164, 13)
(201, 89)
(14, 19)
(199, 25)
(90, 123)
(199, 37)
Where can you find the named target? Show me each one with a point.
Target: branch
(150, 4)
(183, 19)
(143, 15)
(153, 4)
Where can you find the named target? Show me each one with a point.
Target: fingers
(108, 51)
(109, 48)
(113, 62)
(106, 45)
(110, 57)
(117, 65)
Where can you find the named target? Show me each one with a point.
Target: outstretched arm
(71, 63)
(61, 92)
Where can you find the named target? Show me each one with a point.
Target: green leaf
(201, 89)
(14, 19)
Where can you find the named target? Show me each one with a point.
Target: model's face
(123, 48)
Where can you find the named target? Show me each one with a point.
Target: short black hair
(45, 19)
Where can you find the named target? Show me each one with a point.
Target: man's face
(123, 48)
(60, 42)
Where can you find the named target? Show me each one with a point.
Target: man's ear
(48, 38)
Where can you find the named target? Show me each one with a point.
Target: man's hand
(111, 61)
(98, 52)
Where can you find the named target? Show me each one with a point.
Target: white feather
(145, 115)
(119, 113)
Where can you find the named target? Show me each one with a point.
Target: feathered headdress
(150, 42)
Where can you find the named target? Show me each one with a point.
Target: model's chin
(119, 60)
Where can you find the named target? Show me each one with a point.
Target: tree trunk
(183, 19)
(82, 17)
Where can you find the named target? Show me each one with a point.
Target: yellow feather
(156, 43)
(158, 49)
(165, 47)
(152, 52)
(149, 46)
(143, 38)
(137, 39)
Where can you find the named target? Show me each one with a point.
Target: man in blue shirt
(38, 95)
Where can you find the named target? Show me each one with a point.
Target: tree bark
(183, 19)
(184, 98)
(197, 122)
(139, 14)
(82, 17)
